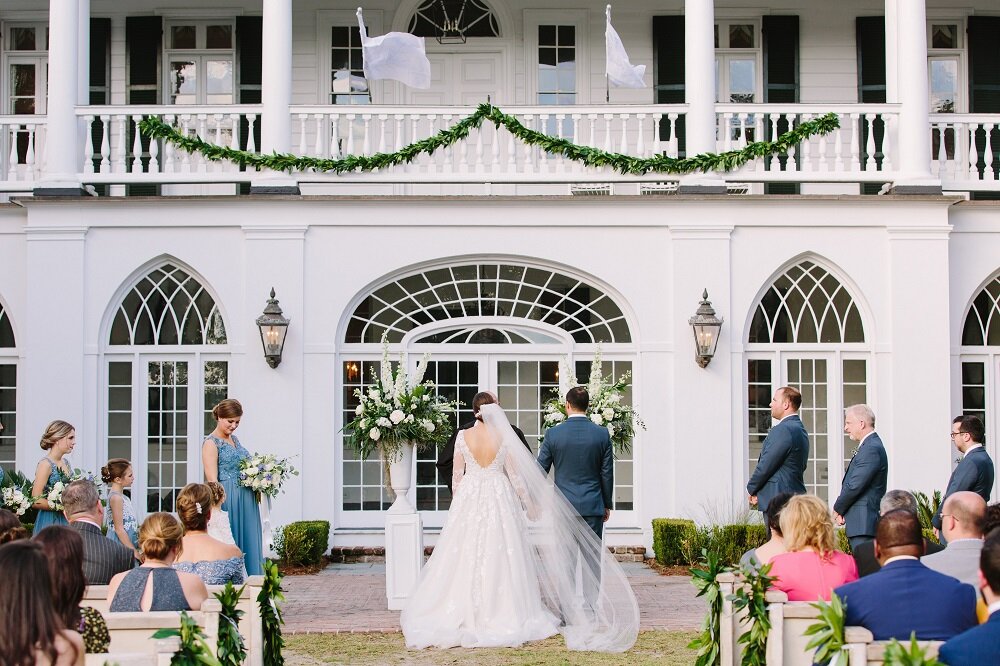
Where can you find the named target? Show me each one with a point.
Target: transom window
(486, 336)
(200, 62)
(471, 18)
(584, 311)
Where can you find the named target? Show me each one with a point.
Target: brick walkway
(351, 598)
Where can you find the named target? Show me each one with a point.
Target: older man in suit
(981, 645)
(864, 554)
(961, 525)
(864, 484)
(581, 453)
(785, 452)
(102, 557)
(975, 471)
(905, 596)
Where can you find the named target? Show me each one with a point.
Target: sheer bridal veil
(581, 582)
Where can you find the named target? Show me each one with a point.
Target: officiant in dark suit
(864, 484)
(785, 452)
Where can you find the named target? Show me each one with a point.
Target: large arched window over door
(807, 332)
(490, 325)
(166, 362)
(8, 393)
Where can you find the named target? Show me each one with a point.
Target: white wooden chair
(163, 652)
(132, 632)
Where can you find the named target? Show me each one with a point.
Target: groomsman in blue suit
(864, 484)
(785, 452)
(975, 471)
(980, 646)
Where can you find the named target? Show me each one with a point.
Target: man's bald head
(962, 516)
(898, 533)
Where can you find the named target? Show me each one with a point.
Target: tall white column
(699, 91)
(276, 93)
(63, 150)
(914, 132)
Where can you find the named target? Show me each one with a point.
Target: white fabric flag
(621, 72)
(398, 56)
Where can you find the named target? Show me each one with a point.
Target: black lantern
(273, 327)
(451, 28)
(706, 328)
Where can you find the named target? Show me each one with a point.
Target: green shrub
(927, 507)
(678, 541)
(302, 543)
(843, 544)
(729, 542)
(668, 537)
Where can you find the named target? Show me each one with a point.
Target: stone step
(368, 554)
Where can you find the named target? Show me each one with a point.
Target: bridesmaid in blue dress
(221, 455)
(58, 440)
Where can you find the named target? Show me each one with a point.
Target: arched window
(470, 18)
(981, 355)
(166, 365)
(8, 393)
(807, 332)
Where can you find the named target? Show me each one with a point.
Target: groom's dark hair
(578, 398)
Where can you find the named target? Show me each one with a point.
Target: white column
(62, 139)
(699, 90)
(891, 52)
(914, 133)
(276, 93)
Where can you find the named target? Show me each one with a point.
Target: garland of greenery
(231, 648)
(897, 655)
(828, 633)
(707, 643)
(589, 156)
(750, 597)
(194, 649)
(270, 614)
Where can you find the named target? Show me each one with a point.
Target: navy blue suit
(782, 462)
(863, 488)
(979, 646)
(581, 452)
(975, 473)
(905, 596)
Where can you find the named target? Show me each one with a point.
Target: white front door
(463, 78)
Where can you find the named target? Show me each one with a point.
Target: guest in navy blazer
(905, 596)
(864, 484)
(975, 471)
(785, 452)
(980, 646)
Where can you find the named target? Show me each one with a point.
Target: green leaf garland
(707, 643)
(270, 615)
(897, 655)
(750, 596)
(194, 649)
(593, 157)
(828, 633)
(231, 647)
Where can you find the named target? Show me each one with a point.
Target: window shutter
(984, 64)
(142, 39)
(668, 69)
(781, 59)
(248, 54)
(871, 59)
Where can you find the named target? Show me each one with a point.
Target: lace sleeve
(516, 480)
(458, 471)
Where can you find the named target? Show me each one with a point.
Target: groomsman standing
(975, 471)
(785, 453)
(857, 508)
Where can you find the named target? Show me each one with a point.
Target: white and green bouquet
(396, 409)
(54, 494)
(607, 405)
(15, 500)
(265, 473)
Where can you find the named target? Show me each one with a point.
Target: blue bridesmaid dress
(46, 517)
(241, 505)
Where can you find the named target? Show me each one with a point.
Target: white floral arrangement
(265, 473)
(396, 409)
(607, 405)
(54, 496)
(15, 500)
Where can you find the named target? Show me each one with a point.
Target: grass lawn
(662, 648)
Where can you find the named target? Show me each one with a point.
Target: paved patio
(351, 598)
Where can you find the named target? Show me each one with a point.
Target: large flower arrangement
(607, 405)
(16, 500)
(264, 474)
(397, 409)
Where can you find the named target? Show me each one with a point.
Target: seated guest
(980, 646)
(214, 562)
(864, 555)
(991, 520)
(11, 528)
(761, 555)
(63, 548)
(812, 566)
(961, 518)
(156, 585)
(905, 596)
(102, 558)
(33, 632)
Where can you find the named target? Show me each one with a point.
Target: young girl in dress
(218, 522)
(120, 519)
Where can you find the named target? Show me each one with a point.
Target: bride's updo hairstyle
(482, 398)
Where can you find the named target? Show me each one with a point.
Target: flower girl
(120, 518)
(218, 521)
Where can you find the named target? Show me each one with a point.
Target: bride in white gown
(515, 562)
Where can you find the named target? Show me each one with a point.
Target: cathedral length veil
(581, 582)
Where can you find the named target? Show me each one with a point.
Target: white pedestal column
(699, 92)
(276, 94)
(63, 148)
(404, 535)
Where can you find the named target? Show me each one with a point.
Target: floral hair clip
(197, 507)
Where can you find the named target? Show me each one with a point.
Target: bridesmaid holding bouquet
(58, 440)
(221, 455)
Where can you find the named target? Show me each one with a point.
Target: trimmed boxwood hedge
(679, 541)
(668, 537)
(303, 543)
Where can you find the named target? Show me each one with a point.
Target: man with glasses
(961, 527)
(975, 471)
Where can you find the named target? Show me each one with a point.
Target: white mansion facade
(863, 266)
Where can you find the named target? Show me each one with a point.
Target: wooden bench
(132, 632)
(164, 650)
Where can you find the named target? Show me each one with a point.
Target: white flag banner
(621, 72)
(399, 56)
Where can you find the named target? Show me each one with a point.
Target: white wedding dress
(498, 579)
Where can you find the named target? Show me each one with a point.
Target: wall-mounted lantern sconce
(706, 328)
(273, 327)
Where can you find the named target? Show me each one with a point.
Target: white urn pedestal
(404, 533)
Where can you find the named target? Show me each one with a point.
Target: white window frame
(200, 55)
(578, 18)
(960, 54)
(326, 20)
(39, 57)
(724, 54)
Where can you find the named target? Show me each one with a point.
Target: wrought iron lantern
(706, 328)
(451, 25)
(273, 327)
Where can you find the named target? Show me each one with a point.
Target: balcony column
(699, 92)
(63, 153)
(276, 93)
(914, 136)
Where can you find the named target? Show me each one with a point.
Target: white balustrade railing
(22, 143)
(965, 150)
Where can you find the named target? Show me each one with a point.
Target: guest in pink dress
(813, 566)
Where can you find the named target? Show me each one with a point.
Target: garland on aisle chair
(592, 157)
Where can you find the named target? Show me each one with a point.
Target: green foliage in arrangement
(897, 655)
(843, 545)
(706, 581)
(926, 508)
(828, 633)
(668, 537)
(591, 157)
(270, 615)
(194, 649)
(750, 597)
(231, 648)
(302, 543)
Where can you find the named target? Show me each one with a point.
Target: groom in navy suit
(784, 454)
(581, 452)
